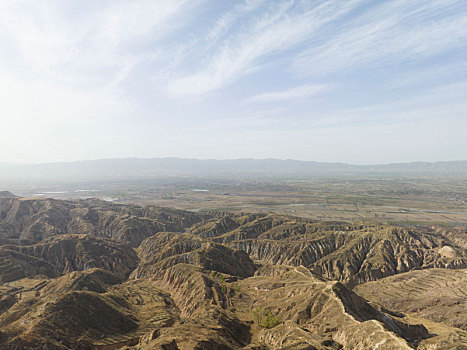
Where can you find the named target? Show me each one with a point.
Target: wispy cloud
(277, 30)
(95, 45)
(388, 34)
(227, 20)
(417, 76)
(297, 92)
(65, 64)
(99, 72)
(320, 38)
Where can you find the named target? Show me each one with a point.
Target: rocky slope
(164, 250)
(436, 294)
(96, 275)
(352, 254)
(36, 219)
(62, 254)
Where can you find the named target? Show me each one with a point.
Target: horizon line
(226, 160)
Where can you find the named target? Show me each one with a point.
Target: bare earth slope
(437, 294)
(352, 254)
(95, 275)
(36, 219)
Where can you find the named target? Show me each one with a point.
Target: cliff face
(96, 275)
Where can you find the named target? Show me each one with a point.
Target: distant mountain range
(129, 168)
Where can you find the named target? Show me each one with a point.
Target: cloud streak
(279, 29)
(389, 34)
(170, 77)
(382, 34)
(298, 92)
(97, 45)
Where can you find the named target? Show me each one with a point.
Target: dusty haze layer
(143, 168)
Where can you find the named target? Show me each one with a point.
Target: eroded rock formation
(96, 275)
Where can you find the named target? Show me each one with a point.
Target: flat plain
(384, 199)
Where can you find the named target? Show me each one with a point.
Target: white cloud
(227, 20)
(276, 31)
(297, 92)
(392, 33)
(385, 34)
(97, 74)
(95, 45)
(64, 65)
(431, 74)
(27, 105)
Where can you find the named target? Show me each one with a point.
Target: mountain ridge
(135, 168)
(90, 274)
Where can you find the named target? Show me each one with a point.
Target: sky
(338, 81)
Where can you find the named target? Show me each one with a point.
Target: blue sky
(353, 81)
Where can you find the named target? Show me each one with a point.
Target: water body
(426, 210)
(50, 192)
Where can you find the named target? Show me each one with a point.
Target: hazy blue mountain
(157, 167)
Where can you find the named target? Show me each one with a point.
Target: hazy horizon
(226, 159)
(358, 82)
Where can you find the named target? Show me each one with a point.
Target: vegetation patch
(265, 319)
